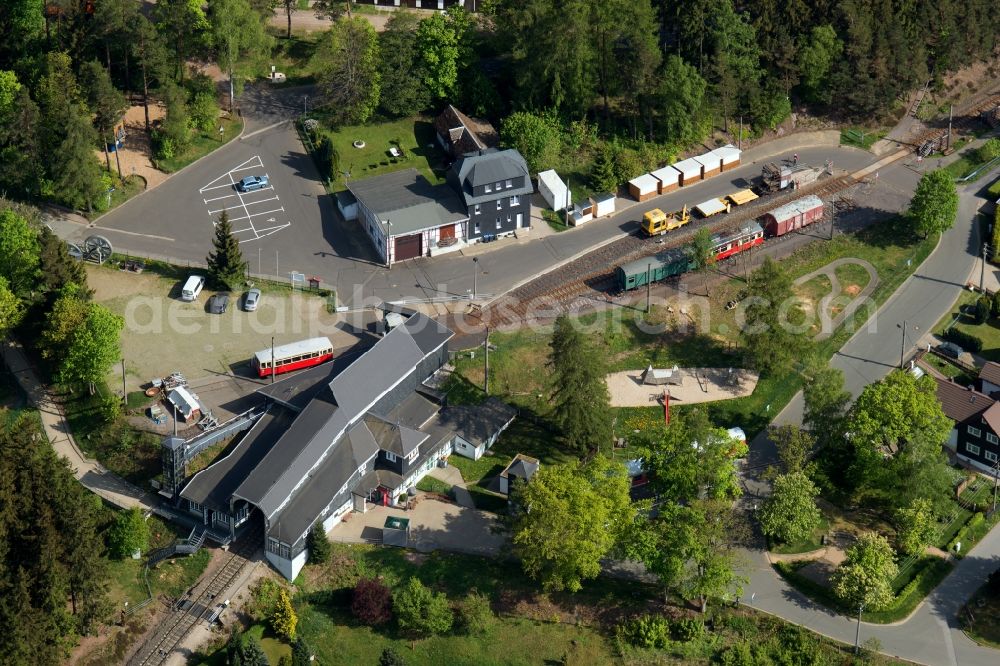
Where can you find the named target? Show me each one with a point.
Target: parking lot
(252, 214)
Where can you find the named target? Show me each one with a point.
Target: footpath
(88, 471)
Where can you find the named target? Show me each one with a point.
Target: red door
(448, 231)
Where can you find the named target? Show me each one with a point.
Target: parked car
(251, 299)
(218, 304)
(251, 183)
(950, 349)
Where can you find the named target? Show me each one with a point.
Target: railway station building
(336, 439)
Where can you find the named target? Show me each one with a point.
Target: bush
(128, 534)
(962, 536)
(645, 631)
(687, 629)
(983, 304)
(390, 657)
(371, 602)
(995, 303)
(284, 619)
(420, 611)
(318, 544)
(264, 600)
(204, 112)
(966, 341)
(989, 150)
(475, 616)
(163, 146)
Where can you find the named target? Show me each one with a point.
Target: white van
(192, 288)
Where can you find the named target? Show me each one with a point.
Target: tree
(9, 88)
(535, 136)
(420, 611)
(403, 90)
(290, 7)
(790, 514)
(302, 654)
(19, 253)
(245, 650)
(437, 44)
(331, 9)
(129, 534)
(185, 26)
(68, 313)
(78, 173)
(475, 614)
(94, 346)
(240, 43)
(151, 56)
(284, 619)
(816, 60)
(793, 445)
(915, 526)
(569, 517)
(348, 57)
(20, 152)
(864, 580)
(318, 545)
(679, 100)
(703, 252)
(107, 103)
(390, 657)
(371, 601)
(934, 204)
(825, 401)
(602, 175)
(989, 151)
(204, 111)
(11, 310)
(225, 263)
(772, 342)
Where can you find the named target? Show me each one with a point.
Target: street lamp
(902, 342)
(857, 633)
(388, 243)
(475, 277)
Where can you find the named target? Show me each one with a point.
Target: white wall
(464, 448)
(288, 568)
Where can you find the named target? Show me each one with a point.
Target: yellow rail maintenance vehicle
(657, 223)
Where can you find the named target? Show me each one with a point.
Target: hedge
(962, 536)
(996, 222)
(966, 341)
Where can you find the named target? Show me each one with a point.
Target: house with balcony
(335, 439)
(975, 439)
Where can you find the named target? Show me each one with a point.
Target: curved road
(931, 635)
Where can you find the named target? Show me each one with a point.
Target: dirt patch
(852, 290)
(136, 156)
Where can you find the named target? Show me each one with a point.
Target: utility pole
(273, 366)
(833, 218)
(857, 634)
(982, 269)
(649, 286)
(486, 369)
(951, 111)
(740, 139)
(124, 392)
(996, 483)
(902, 342)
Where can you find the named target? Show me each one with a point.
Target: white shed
(644, 187)
(669, 177)
(604, 204)
(583, 211)
(553, 190)
(711, 162)
(690, 170)
(729, 156)
(186, 402)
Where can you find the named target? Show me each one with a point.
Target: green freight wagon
(658, 267)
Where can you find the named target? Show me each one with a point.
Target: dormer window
(498, 186)
(413, 455)
(488, 188)
(508, 183)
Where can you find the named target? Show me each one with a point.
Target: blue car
(251, 183)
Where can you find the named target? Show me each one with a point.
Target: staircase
(192, 544)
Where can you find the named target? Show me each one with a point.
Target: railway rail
(184, 616)
(548, 295)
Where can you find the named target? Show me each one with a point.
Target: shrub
(391, 658)
(687, 629)
(204, 111)
(264, 599)
(995, 246)
(371, 602)
(283, 620)
(163, 146)
(966, 341)
(421, 611)
(989, 150)
(645, 631)
(128, 534)
(318, 544)
(474, 613)
(995, 303)
(982, 309)
(740, 654)
(301, 653)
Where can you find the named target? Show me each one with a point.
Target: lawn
(414, 136)
(813, 542)
(860, 137)
(202, 144)
(967, 162)
(981, 618)
(294, 57)
(853, 278)
(429, 484)
(948, 369)
(989, 332)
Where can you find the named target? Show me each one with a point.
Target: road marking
(260, 201)
(245, 200)
(252, 163)
(264, 129)
(228, 196)
(267, 232)
(135, 233)
(249, 216)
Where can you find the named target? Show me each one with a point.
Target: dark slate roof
(463, 133)
(990, 373)
(477, 423)
(959, 403)
(316, 435)
(521, 467)
(214, 485)
(408, 201)
(416, 410)
(392, 437)
(489, 167)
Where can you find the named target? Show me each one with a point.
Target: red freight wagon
(795, 215)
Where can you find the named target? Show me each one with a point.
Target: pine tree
(318, 545)
(284, 619)
(77, 172)
(602, 175)
(226, 265)
(579, 393)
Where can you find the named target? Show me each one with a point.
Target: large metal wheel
(74, 251)
(97, 249)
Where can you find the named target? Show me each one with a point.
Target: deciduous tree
(94, 346)
(371, 601)
(568, 518)
(19, 253)
(864, 580)
(129, 534)
(825, 401)
(816, 59)
(421, 611)
(11, 310)
(348, 57)
(790, 514)
(185, 27)
(403, 90)
(934, 204)
(437, 44)
(915, 526)
(240, 43)
(793, 445)
(579, 393)
(534, 135)
(226, 265)
(772, 343)
(679, 101)
(284, 619)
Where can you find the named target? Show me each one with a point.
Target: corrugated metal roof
(671, 256)
(796, 208)
(645, 183)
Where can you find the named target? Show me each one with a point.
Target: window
(498, 186)
(992, 439)
(499, 204)
(975, 432)
(989, 455)
(222, 518)
(477, 209)
(413, 455)
(498, 221)
(972, 448)
(476, 228)
(508, 183)
(487, 188)
(514, 200)
(194, 506)
(390, 456)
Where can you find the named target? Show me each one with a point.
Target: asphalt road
(294, 226)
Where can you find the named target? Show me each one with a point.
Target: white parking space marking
(246, 202)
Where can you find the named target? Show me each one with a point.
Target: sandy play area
(696, 385)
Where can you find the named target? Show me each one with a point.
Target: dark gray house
(331, 440)
(496, 189)
(976, 435)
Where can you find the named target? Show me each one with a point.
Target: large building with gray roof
(334, 439)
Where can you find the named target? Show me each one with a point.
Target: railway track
(550, 294)
(183, 618)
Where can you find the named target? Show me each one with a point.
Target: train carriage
(727, 244)
(660, 266)
(795, 215)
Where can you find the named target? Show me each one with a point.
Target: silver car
(251, 299)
